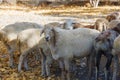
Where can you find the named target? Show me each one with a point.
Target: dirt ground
(11, 14)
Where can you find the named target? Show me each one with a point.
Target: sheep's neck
(53, 41)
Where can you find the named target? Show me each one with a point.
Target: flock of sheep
(64, 42)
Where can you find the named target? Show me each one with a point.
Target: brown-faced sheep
(103, 46)
(9, 33)
(67, 44)
(113, 16)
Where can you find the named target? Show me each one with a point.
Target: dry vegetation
(78, 12)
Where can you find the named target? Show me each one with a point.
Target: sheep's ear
(54, 36)
(42, 31)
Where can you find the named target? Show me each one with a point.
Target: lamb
(67, 44)
(115, 53)
(30, 40)
(103, 46)
(113, 16)
(9, 33)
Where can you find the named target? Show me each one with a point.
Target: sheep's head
(68, 24)
(48, 32)
(111, 17)
(105, 40)
(103, 36)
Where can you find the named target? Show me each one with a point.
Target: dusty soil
(12, 14)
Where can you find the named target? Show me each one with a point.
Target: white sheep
(115, 52)
(113, 16)
(9, 33)
(67, 44)
(68, 24)
(30, 40)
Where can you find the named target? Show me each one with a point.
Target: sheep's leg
(11, 60)
(11, 55)
(26, 64)
(43, 67)
(90, 66)
(37, 57)
(116, 63)
(61, 64)
(107, 70)
(67, 68)
(98, 58)
(22, 57)
(43, 63)
(48, 64)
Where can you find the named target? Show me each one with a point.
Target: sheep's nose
(47, 38)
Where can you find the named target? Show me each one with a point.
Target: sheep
(113, 16)
(100, 24)
(113, 23)
(66, 44)
(67, 24)
(115, 53)
(103, 46)
(9, 33)
(30, 40)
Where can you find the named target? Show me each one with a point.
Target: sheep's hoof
(19, 70)
(12, 66)
(27, 69)
(43, 75)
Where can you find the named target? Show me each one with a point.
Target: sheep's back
(77, 42)
(13, 29)
(29, 38)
